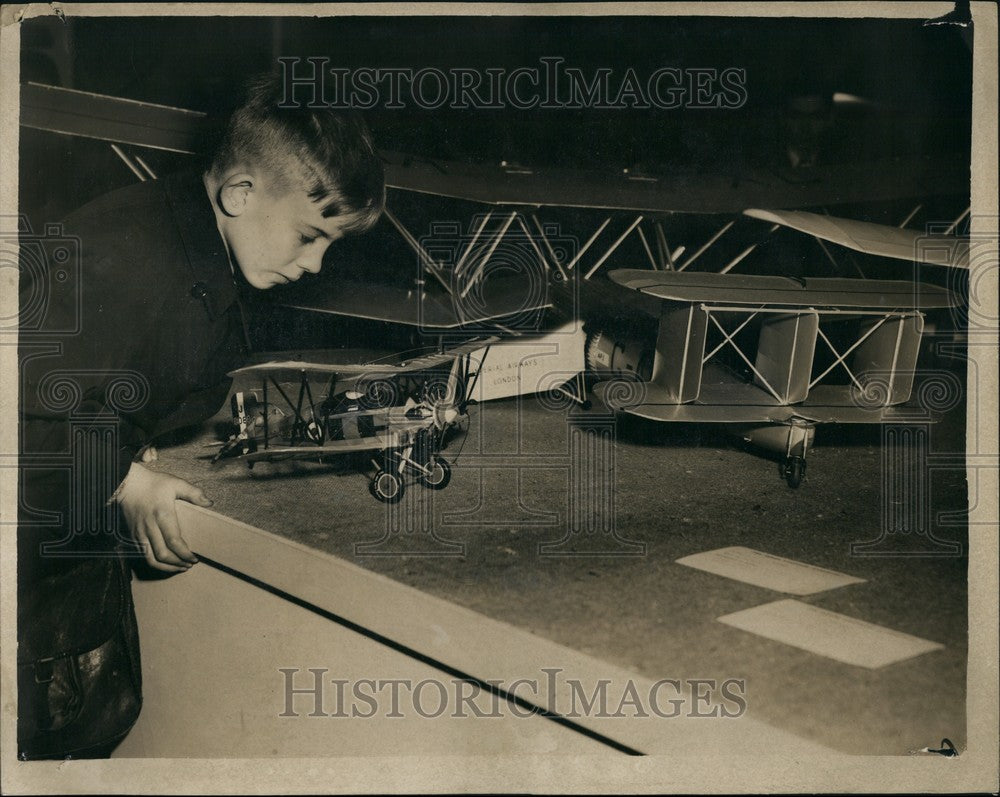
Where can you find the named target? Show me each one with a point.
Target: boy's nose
(312, 264)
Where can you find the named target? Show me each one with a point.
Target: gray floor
(498, 541)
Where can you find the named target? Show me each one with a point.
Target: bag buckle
(44, 671)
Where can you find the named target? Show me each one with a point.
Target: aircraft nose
(444, 416)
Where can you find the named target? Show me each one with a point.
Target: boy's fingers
(172, 538)
(142, 536)
(193, 495)
(161, 552)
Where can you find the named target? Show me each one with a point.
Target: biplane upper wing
(749, 289)
(329, 361)
(677, 190)
(174, 129)
(873, 239)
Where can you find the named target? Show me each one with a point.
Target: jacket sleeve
(83, 383)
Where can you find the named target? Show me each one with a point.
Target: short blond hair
(329, 152)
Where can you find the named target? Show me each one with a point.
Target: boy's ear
(236, 193)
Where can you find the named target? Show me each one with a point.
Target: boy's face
(275, 237)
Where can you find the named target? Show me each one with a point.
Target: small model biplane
(400, 414)
(775, 355)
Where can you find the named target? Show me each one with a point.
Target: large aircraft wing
(671, 189)
(678, 189)
(873, 239)
(752, 290)
(330, 361)
(498, 296)
(114, 119)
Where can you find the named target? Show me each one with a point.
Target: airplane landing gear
(790, 440)
(800, 435)
(388, 483)
(439, 474)
(387, 487)
(793, 470)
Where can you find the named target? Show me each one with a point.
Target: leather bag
(78, 674)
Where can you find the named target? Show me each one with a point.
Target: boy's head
(287, 182)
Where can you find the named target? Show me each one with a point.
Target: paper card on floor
(766, 570)
(829, 634)
(518, 368)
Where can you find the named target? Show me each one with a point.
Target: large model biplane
(804, 333)
(774, 354)
(398, 414)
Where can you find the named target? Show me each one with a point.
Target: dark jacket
(129, 325)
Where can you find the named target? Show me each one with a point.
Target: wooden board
(214, 687)
(301, 579)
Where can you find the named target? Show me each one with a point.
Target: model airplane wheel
(387, 487)
(439, 476)
(795, 470)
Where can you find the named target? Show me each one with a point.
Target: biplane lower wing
(397, 438)
(738, 403)
(495, 298)
(873, 239)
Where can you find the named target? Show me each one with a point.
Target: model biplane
(807, 331)
(774, 354)
(399, 415)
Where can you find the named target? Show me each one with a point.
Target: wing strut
(430, 264)
(704, 248)
(612, 248)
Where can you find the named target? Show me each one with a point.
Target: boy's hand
(147, 501)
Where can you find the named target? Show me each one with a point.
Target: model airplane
(399, 414)
(790, 337)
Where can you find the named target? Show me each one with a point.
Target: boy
(155, 328)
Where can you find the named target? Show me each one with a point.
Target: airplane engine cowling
(613, 353)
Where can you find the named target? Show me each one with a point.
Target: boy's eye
(306, 239)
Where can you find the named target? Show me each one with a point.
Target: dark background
(917, 78)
